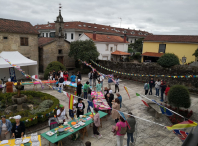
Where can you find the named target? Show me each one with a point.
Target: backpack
(123, 129)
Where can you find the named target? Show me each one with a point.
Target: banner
(122, 114)
(127, 91)
(182, 125)
(181, 134)
(168, 76)
(12, 74)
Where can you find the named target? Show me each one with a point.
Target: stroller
(53, 122)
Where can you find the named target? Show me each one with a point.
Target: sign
(12, 74)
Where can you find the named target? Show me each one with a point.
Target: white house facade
(106, 44)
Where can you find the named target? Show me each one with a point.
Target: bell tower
(59, 25)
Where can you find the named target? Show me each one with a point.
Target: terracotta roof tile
(94, 27)
(152, 54)
(105, 38)
(120, 53)
(42, 41)
(15, 26)
(172, 38)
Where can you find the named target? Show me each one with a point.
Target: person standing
(61, 74)
(131, 121)
(120, 98)
(110, 98)
(166, 93)
(58, 74)
(5, 128)
(61, 113)
(79, 88)
(115, 107)
(106, 91)
(90, 76)
(146, 87)
(85, 89)
(121, 129)
(110, 81)
(163, 88)
(151, 85)
(90, 101)
(65, 76)
(101, 79)
(61, 80)
(95, 76)
(54, 74)
(80, 107)
(18, 129)
(117, 84)
(79, 75)
(98, 87)
(73, 78)
(73, 112)
(96, 124)
(9, 86)
(157, 87)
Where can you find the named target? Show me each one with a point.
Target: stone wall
(151, 69)
(12, 43)
(50, 53)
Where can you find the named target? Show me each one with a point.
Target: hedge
(44, 96)
(168, 60)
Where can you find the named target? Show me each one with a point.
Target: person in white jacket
(157, 87)
(90, 76)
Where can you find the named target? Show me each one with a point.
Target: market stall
(71, 127)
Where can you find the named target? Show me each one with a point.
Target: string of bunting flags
(21, 71)
(168, 76)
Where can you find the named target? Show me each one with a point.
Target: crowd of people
(160, 87)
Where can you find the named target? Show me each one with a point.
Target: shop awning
(120, 53)
(152, 54)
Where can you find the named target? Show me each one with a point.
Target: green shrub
(27, 114)
(137, 55)
(55, 65)
(168, 60)
(178, 96)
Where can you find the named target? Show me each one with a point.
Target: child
(85, 89)
(96, 124)
(98, 87)
(166, 93)
(72, 113)
(80, 107)
(146, 87)
(90, 101)
(73, 78)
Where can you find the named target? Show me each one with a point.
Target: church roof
(42, 41)
(16, 26)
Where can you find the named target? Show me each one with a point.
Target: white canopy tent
(27, 65)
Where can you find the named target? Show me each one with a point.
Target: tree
(168, 60)
(196, 53)
(55, 65)
(178, 96)
(84, 50)
(137, 46)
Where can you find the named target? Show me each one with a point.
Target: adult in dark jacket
(80, 107)
(79, 75)
(151, 85)
(106, 91)
(95, 76)
(18, 129)
(111, 98)
(163, 88)
(79, 88)
(131, 121)
(54, 74)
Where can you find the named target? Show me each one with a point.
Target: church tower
(59, 25)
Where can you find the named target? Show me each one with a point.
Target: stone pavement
(147, 134)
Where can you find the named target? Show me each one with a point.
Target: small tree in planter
(178, 96)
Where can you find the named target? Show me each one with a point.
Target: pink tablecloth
(100, 95)
(99, 102)
(44, 82)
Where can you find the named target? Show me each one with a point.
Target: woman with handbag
(121, 128)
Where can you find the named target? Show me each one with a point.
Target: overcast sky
(178, 17)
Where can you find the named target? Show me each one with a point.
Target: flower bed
(28, 118)
(175, 119)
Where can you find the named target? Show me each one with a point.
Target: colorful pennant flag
(182, 125)
(145, 103)
(164, 110)
(71, 100)
(127, 91)
(122, 114)
(181, 134)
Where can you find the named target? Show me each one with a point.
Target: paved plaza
(147, 134)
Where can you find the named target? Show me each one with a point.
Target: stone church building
(55, 49)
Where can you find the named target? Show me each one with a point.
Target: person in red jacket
(166, 93)
(65, 76)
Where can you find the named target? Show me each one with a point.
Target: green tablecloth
(52, 138)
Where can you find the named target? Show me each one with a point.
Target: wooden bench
(157, 109)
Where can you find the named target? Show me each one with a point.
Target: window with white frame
(107, 47)
(111, 49)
